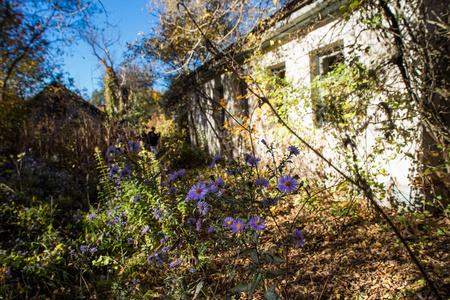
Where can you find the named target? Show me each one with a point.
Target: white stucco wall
(295, 55)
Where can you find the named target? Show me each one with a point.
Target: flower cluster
(113, 151)
(177, 174)
(201, 189)
(238, 225)
(134, 147)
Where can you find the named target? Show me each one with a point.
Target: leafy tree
(98, 97)
(189, 33)
(29, 34)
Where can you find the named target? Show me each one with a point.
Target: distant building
(64, 126)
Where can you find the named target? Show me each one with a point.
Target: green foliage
(158, 214)
(148, 236)
(98, 97)
(174, 150)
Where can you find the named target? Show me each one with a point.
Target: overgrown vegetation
(289, 208)
(231, 229)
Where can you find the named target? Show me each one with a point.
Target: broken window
(322, 62)
(219, 112)
(243, 98)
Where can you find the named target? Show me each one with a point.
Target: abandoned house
(289, 66)
(64, 125)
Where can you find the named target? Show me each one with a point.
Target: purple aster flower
(238, 225)
(157, 214)
(108, 153)
(113, 170)
(134, 147)
(165, 238)
(165, 184)
(210, 229)
(191, 221)
(214, 186)
(137, 198)
(298, 234)
(228, 222)
(253, 160)
(172, 190)
(198, 192)
(137, 147)
(130, 240)
(176, 174)
(269, 201)
(126, 170)
(198, 225)
(202, 207)
(116, 207)
(287, 184)
(111, 150)
(257, 223)
(232, 172)
(144, 231)
(219, 193)
(293, 150)
(219, 182)
(262, 182)
(93, 250)
(175, 263)
(214, 160)
(83, 248)
(188, 198)
(92, 217)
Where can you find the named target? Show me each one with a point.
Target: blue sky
(131, 17)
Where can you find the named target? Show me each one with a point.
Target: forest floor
(351, 253)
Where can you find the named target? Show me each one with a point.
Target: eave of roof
(289, 19)
(44, 94)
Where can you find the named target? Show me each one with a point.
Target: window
(243, 98)
(219, 113)
(328, 61)
(322, 62)
(279, 72)
(275, 86)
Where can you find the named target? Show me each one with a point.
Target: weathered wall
(299, 58)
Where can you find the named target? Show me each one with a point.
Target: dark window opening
(322, 62)
(328, 62)
(279, 72)
(243, 99)
(219, 108)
